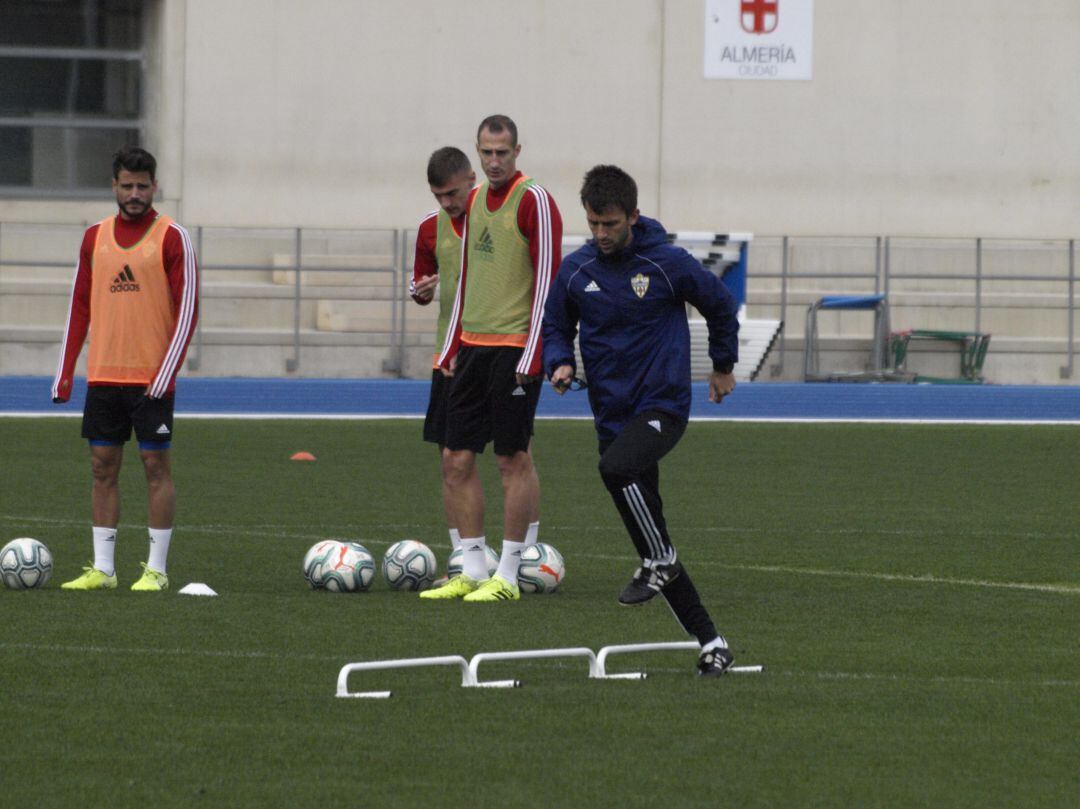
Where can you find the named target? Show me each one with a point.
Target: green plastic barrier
(972, 344)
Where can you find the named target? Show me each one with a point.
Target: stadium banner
(759, 39)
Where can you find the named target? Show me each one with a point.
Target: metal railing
(780, 281)
(292, 274)
(292, 270)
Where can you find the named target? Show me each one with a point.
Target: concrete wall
(340, 103)
(922, 118)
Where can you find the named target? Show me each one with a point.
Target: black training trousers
(630, 468)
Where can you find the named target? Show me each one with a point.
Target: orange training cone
(302, 456)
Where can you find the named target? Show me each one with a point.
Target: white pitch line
(275, 530)
(907, 578)
(885, 420)
(827, 531)
(256, 531)
(946, 421)
(937, 678)
(773, 672)
(927, 578)
(34, 414)
(113, 650)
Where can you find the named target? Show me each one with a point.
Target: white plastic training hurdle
(403, 663)
(626, 648)
(596, 670)
(470, 677)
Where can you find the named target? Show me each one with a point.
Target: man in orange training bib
(136, 292)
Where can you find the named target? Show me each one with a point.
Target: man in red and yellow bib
(512, 248)
(136, 292)
(437, 266)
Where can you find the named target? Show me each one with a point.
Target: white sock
(532, 535)
(716, 643)
(159, 548)
(105, 550)
(474, 558)
(455, 539)
(510, 560)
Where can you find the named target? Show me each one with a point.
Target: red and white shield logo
(759, 16)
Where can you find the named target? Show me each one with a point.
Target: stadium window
(72, 77)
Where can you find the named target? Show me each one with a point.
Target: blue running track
(761, 401)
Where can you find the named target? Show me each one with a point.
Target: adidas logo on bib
(124, 282)
(485, 244)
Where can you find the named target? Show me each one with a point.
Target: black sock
(685, 602)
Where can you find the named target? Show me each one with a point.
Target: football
(349, 569)
(542, 569)
(315, 558)
(409, 565)
(25, 564)
(453, 564)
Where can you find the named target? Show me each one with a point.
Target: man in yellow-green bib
(512, 249)
(436, 269)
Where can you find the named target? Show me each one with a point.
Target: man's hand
(424, 289)
(449, 370)
(720, 385)
(524, 379)
(63, 391)
(561, 378)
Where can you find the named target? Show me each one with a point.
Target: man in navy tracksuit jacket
(627, 291)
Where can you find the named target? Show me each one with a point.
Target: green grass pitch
(913, 591)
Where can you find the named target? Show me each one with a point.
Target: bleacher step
(756, 339)
(376, 270)
(365, 316)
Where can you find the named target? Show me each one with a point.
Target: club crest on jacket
(640, 284)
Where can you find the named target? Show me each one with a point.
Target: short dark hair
(496, 124)
(445, 164)
(607, 186)
(134, 160)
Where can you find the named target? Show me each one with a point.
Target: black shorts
(435, 421)
(487, 404)
(112, 410)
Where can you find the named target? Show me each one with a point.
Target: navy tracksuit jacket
(631, 312)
